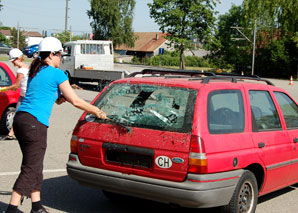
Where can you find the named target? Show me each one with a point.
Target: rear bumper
(197, 191)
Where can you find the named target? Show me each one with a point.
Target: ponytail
(37, 63)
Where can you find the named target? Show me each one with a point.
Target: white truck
(90, 61)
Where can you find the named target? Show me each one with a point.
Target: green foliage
(3, 39)
(230, 46)
(136, 60)
(183, 20)
(65, 37)
(277, 21)
(276, 39)
(280, 14)
(4, 28)
(14, 39)
(112, 20)
(171, 59)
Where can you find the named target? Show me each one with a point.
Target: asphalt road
(62, 194)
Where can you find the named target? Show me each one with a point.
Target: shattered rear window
(149, 106)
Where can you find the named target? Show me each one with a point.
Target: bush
(135, 60)
(173, 59)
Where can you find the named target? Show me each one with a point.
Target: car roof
(195, 79)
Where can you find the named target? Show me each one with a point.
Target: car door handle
(295, 140)
(261, 145)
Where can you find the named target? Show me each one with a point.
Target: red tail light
(74, 144)
(197, 162)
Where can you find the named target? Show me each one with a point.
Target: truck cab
(84, 57)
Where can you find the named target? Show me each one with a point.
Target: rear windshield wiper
(117, 122)
(110, 119)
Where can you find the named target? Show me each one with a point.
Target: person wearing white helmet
(46, 85)
(17, 58)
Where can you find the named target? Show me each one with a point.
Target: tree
(112, 20)
(65, 37)
(1, 5)
(14, 39)
(233, 48)
(3, 39)
(184, 20)
(279, 19)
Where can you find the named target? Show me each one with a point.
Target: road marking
(44, 171)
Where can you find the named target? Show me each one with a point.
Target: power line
(254, 44)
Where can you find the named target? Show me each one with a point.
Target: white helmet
(50, 44)
(14, 54)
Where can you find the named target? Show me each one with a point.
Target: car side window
(92, 49)
(67, 50)
(225, 112)
(289, 109)
(4, 78)
(263, 110)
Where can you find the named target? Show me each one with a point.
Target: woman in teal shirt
(46, 85)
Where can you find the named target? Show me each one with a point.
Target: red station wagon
(193, 139)
(8, 99)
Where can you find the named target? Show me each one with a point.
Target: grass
(5, 58)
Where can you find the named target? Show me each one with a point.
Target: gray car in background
(4, 48)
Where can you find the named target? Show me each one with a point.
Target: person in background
(17, 58)
(46, 85)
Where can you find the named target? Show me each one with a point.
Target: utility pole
(254, 45)
(66, 15)
(18, 35)
(254, 52)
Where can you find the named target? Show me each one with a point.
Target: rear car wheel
(7, 119)
(245, 196)
(35, 55)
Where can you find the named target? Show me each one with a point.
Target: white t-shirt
(23, 84)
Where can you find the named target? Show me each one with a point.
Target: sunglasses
(57, 54)
(13, 59)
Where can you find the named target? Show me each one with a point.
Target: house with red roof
(147, 44)
(32, 37)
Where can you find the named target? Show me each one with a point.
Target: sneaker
(42, 210)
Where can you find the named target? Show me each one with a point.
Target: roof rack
(204, 76)
(234, 78)
(163, 72)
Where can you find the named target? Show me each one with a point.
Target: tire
(35, 55)
(102, 84)
(7, 119)
(73, 81)
(245, 197)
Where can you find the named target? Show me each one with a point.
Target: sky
(49, 15)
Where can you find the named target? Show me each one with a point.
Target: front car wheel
(7, 119)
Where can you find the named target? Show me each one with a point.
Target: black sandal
(8, 137)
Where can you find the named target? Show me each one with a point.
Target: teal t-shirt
(42, 92)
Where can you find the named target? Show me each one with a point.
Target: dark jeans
(32, 137)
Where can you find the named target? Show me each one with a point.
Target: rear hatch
(148, 133)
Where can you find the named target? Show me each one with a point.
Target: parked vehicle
(8, 99)
(31, 51)
(188, 138)
(90, 60)
(4, 48)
